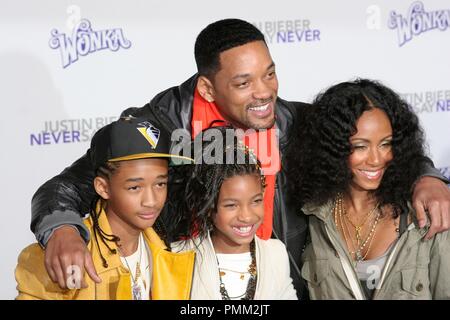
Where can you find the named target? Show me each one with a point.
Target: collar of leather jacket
(174, 107)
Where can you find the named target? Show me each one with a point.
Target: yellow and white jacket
(171, 280)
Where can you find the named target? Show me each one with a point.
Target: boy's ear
(205, 88)
(101, 186)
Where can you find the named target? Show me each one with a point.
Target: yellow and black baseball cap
(130, 138)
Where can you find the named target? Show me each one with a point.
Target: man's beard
(258, 126)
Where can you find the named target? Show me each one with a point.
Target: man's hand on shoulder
(433, 196)
(66, 256)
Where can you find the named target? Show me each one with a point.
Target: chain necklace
(136, 288)
(241, 273)
(249, 293)
(358, 228)
(340, 221)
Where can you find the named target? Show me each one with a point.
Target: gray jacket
(415, 268)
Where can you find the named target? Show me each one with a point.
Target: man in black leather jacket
(241, 88)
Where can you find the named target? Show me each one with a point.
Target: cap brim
(152, 155)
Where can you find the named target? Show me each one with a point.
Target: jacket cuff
(431, 171)
(58, 219)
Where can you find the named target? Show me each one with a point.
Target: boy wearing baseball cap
(131, 157)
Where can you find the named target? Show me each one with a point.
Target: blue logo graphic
(150, 133)
(418, 21)
(84, 41)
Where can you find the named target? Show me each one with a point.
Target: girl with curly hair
(223, 207)
(358, 155)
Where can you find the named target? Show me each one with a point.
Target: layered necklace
(249, 293)
(343, 222)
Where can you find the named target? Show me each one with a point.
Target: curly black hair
(318, 157)
(222, 155)
(220, 36)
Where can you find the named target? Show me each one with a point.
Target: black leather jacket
(67, 197)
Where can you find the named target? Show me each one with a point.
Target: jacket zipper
(348, 270)
(385, 269)
(388, 263)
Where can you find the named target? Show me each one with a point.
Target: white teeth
(244, 229)
(261, 108)
(371, 174)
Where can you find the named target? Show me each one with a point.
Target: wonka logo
(418, 21)
(84, 41)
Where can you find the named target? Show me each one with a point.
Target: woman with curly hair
(358, 156)
(223, 207)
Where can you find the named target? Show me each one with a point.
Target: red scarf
(205, 113)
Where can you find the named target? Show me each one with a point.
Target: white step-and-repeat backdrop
(57, 89)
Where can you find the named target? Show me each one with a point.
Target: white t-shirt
(234, 273)
(140, 287)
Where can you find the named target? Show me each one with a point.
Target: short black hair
(220, 36)
(318, 156)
